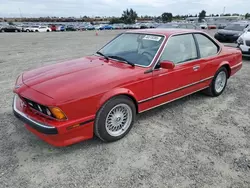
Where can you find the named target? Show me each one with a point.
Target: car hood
(229, 32)
(79, 78)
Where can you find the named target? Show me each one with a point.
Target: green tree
(129, 16)
(167, 17)
(115, 20)
(247, 16)
(202, 15)
(235, 14)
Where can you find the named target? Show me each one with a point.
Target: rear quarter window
(206, 45)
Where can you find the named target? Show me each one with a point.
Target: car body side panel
(168, 84)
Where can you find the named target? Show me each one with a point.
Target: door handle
(196, 67)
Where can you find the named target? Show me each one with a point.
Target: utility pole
(20, 14)
(224, 9)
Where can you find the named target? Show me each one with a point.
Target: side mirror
(167, 65)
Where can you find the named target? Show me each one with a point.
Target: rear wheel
(218, 83)
(115, 119)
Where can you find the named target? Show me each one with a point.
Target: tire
(103, 125)
(212, 91)
(36, 31)
(47, 30)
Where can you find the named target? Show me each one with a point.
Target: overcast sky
(77, 8)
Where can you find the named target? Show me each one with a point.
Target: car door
(209, 59)
(184, 78)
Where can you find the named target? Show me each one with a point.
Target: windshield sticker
(151, 37)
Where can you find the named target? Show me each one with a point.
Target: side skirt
(173, 100)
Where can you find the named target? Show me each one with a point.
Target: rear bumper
(61, 134)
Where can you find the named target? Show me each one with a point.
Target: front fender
(115, 92)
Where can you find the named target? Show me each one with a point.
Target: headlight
(58, 113)
(240, 41)
(238, 34)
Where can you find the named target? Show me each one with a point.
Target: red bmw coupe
(101, 94)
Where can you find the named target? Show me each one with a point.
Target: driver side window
(179, 49)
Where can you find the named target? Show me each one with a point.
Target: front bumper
(245, 50)
(60, 134)
(40, 127)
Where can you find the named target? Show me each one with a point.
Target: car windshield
(236, 27)
(136, 48)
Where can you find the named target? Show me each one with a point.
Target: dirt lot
(197, 141)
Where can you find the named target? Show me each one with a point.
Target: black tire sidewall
(100, 129)
(215, 93)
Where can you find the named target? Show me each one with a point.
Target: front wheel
(115, 119)
(218, 83)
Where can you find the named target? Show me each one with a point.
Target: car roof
(165, 31)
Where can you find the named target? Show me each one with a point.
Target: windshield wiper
(100, 53)
(121, 59)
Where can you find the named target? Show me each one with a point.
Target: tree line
(129, 16)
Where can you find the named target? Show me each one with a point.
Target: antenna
(224, 9)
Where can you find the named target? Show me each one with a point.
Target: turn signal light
(58, 113)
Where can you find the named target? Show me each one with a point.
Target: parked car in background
(221, 25)
(117, 26)
(10, 28)
(24, 28)
(204, 25)
(136, 26)
(90, 27)
(70, 28)
(178, 25)
(143, 26)
(60, 28)
(231, 32)
(244, 43)
(98, 26)
(39, 28)
(212, 26)
(52, 27)
(67, 102)
(106, 27)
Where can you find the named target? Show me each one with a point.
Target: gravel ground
(197, 141)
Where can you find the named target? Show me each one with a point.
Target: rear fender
(225, 64)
